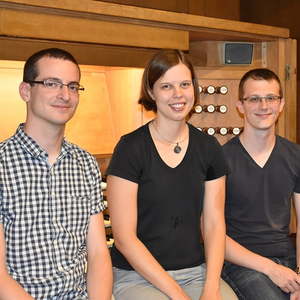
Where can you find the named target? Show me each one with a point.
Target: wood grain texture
(63, 28)
(133, 14)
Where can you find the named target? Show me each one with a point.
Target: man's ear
(282, 103)
(25, 91)
(240, 106)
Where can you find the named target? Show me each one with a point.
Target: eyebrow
(189, 80)
(58, 79)
(54, 78)
(269, 94)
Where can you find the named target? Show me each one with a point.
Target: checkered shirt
(45, 212)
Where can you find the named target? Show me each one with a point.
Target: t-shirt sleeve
(125, 161)
(293, 158)
(297, 183)
(297, 186)
(1, 204)
(218, 166)
(97, 203)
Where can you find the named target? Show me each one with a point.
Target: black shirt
(258, 200)
(169, 199)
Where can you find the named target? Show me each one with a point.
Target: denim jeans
(129, 285)
(249, 284)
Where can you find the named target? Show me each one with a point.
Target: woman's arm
(213, 231)
(122, 204)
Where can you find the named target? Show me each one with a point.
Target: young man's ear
(282, 103)
(24, 91)
(240, 106)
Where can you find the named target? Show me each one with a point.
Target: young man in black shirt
(264, 176)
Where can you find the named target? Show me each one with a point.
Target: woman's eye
(166, 86)
(186, 84)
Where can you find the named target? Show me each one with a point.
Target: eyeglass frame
(60, 84)
(270, 99)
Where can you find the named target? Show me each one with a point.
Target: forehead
(50, 67)
(260, 87)
(177, 72)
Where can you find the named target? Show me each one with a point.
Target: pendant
(177, 148)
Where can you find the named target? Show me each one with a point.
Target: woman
(163, 178)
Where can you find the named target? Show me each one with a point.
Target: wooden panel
(170, 5)
(276, 13)
(231, 118)
(141, 16)
(217, 9)
(92, 125)
(86, 54)
(197, 7)
(231, 73)
(291, 90)
(13, 108)
(63, 28)
(276, 61)
(124, 90)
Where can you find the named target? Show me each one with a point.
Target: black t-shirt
(258, 200)
(169, 199)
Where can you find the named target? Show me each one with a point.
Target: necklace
(177, 149)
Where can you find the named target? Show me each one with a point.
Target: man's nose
(65, 92)
(263, 103)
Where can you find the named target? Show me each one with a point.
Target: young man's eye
(73, 87)
(272, 98)
(52, 84)
(254, 99)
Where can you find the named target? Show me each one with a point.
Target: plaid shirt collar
(31, 146)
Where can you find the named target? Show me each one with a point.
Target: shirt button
(60, 269)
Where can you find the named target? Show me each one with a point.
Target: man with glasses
(51, 223)
(264, 176)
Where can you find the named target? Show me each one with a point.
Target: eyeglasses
(270, 99)
(55, 85)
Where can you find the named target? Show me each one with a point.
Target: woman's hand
(209, 294)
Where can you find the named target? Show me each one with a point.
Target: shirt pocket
(75, 215)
